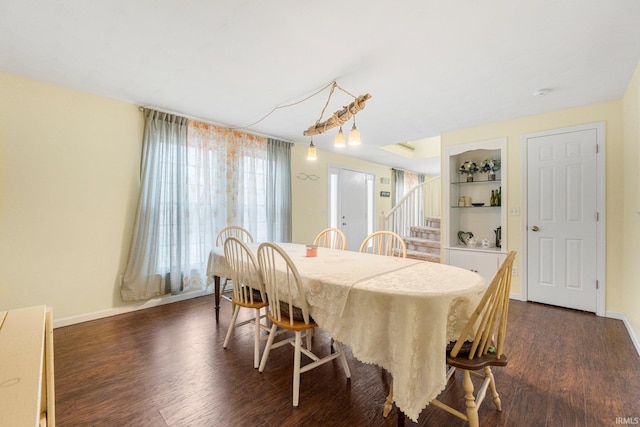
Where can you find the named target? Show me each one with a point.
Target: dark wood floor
(165, 366)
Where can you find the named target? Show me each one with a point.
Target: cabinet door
(485, 264)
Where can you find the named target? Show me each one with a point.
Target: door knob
(535, 228)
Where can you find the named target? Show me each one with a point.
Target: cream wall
(310, 201)
(631, 224)
(69, 180)
(608, 112)
(69, 176)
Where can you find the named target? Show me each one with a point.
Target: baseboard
(72, 320)
(517, 297)
(632, 335)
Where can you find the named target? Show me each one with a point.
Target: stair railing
(421, 201)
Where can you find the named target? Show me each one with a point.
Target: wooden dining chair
(289, 311)
(231, 231)
(248, 290)
(384, 243)
(234, 231)
(332, 238)
(481, 345)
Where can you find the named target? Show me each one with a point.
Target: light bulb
(312, 153)
(354, 135)
(339, 139)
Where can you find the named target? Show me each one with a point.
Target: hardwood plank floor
(165, 366)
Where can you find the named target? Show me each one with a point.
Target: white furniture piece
(289, 311)
(240, 233)
(27, 394)
(397, 313)
(467, 208)
(248, 290)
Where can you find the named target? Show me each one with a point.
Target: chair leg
(231, 326)
(296, 369)
(267, 348)
(256, 341)
(309, 335)
(492, 387)
(472, 409)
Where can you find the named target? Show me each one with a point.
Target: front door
(562, 214)
(352, 200)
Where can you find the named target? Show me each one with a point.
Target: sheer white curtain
(197, 179)
(230, 169)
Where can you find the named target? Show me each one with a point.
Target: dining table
(397, 313)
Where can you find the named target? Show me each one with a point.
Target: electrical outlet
(514, 271)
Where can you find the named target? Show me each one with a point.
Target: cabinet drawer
(485, 264)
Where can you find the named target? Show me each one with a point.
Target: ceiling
(430, 66)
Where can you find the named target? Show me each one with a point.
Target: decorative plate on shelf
(477, 204)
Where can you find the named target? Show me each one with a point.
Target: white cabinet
(469, 209)
(485, 263)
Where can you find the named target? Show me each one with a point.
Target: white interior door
(562, 210)
(351, 204)
(353, 207)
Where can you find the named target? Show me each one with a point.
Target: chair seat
(479, 362)
(297, 313)
(297, 325)
(257, 300)
(465, 349)
(254, 304)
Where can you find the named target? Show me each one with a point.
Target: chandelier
(338, 118)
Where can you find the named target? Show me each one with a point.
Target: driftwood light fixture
(337, 120)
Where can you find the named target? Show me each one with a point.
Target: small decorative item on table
(469, 168)
(490, 167)
(312, 251)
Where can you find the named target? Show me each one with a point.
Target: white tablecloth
(393, 312)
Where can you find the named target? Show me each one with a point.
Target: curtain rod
(262, 135)
(406, 170)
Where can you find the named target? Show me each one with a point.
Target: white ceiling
(430, 66)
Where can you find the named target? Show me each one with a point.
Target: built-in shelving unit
(462, 217)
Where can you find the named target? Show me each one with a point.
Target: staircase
(423, 242)
(417, 214)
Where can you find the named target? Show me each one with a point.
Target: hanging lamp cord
(333, 86)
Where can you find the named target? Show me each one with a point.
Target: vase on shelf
(468, 168)
(491, 176)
